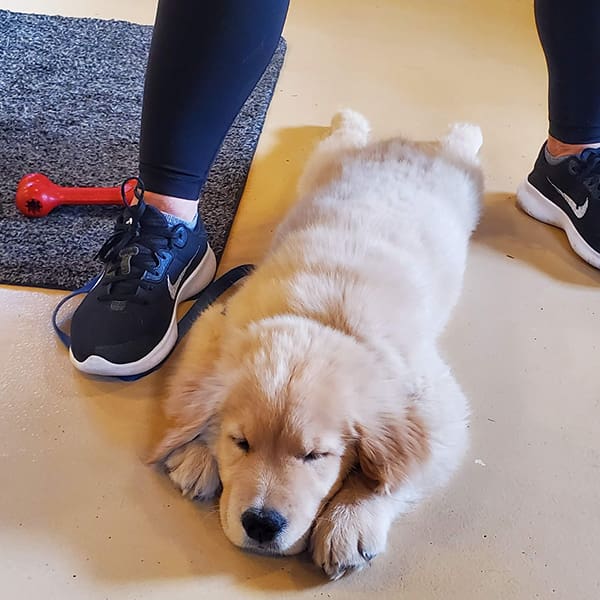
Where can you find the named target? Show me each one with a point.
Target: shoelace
(132, 250)
(586, 167)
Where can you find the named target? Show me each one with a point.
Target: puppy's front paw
(193, 469)
(346, 538)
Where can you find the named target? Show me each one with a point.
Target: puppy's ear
(390, 448)
(194, 396)
(196, 414)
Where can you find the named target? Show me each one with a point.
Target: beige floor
(82, 517)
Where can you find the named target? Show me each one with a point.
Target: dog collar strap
(200, 302)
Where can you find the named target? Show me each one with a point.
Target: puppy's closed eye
(241, 443)
(313, 455)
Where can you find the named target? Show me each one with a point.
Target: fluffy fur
(318, 390)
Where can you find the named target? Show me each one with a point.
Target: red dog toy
(37, 195)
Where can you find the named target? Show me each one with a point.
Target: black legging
(206, 57)
(569, 31)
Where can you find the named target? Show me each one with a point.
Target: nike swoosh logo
(578, 211)
(174, 287)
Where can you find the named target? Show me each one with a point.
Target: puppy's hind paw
(350, 119)
(193, 469)
(464, 140)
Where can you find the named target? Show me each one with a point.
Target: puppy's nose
(263, 525)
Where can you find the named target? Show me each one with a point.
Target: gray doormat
(70, 106)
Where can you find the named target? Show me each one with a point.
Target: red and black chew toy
(37, 195)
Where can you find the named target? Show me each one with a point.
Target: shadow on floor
(270, 192)
(506, 229)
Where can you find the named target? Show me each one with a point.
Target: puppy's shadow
(506, 229)
(270, 192)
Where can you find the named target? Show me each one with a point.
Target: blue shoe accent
(173, 220)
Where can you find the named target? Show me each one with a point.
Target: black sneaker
(127, 323)
(566, 194)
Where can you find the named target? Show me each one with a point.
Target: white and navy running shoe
(565, 192)
(126, 325)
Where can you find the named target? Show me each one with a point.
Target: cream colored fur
(330, 348)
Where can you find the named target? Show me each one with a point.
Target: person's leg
(570, 36)
(564, 187)
(205, 59)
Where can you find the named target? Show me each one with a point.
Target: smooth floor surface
(82, 517)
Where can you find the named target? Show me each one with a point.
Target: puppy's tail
(349, 131)
(464, 142)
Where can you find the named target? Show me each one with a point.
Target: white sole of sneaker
(202, 275)
(536, 205)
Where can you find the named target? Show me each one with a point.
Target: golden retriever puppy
(316, 398)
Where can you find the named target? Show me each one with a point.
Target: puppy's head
(291, 409)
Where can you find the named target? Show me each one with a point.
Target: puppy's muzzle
(263, 525)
